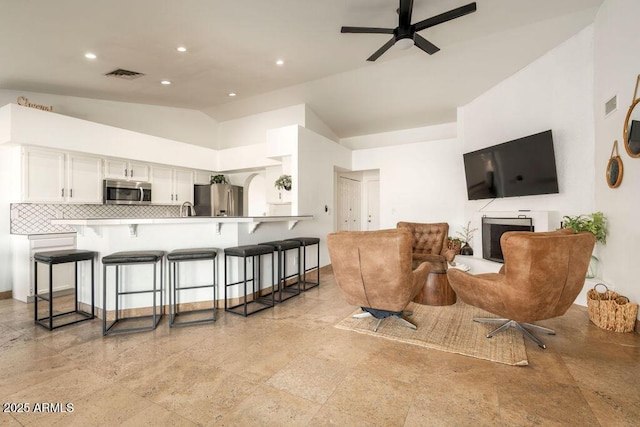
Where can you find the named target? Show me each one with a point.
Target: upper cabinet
(84, 179)
(171, 186)
(51, 176)
(127, 170)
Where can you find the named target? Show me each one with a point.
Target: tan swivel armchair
(542, 275)
(429, 243)
(373, 269)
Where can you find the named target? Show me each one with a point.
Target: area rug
(448, 328)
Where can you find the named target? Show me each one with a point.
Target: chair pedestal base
(524, 327)
(398, 316)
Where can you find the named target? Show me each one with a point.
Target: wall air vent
(124, 74)
(611, 105)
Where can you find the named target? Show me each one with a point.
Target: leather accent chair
(542, 275)
(373, 269)
(429, 243)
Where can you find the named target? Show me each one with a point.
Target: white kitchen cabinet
(183, 185)
(43, 175)
(171, 186)
(51, 176)
(126, 170)
(84, 179)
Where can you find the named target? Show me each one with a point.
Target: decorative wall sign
(614, 168)
(24, 101)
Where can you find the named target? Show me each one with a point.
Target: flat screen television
(522, 167)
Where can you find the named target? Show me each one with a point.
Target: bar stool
(305, 242)
(175, 258)
(281, 247)
(119, 259)
(255, 252)
(52, 258)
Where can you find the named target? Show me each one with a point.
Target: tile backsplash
(35, 218)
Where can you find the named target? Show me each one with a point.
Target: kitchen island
(109, 235)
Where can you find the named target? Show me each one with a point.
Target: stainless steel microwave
(117, 192)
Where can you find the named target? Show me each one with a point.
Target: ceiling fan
(407, 33)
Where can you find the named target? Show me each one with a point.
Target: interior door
(373, 205)
(349, 208)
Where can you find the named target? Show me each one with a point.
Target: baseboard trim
(6, 295)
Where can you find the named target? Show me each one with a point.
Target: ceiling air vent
(124, 74)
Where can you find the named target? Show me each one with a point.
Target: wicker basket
(610, 310)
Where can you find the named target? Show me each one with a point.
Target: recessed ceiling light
(232, 94)
(181, 49)
(90, 55)
(165, 82)
(280, 62)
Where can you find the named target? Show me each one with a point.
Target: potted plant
(454, 244)
(596, 224)
(283, 182)
(465, 236)
(218, 179)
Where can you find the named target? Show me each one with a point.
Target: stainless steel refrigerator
(218, 200)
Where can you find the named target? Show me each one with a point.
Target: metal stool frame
(255, 279)
(85, 316)
(294, 289)
(306, 284)
(174, 288)
(157, 314)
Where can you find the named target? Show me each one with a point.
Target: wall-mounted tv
(522, 167)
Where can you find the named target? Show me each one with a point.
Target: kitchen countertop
(253, 221)
(176, 220)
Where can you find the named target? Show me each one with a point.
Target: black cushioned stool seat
(176, 258)
(304, 243)
(118, 260)
(255, 253)
(281, 247)
(76, 315)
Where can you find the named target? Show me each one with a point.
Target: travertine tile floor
(290, 366)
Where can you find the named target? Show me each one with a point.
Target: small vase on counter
(466, 250)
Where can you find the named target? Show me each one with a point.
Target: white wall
(313, 122)
(419, 182)
(554, 92)
(253, 129)
(617, 65)
(180, 124)
(7, 169)
(29, 126)
(314, 164)
(400, 137)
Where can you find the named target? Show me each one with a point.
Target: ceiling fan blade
(382, 50)
(368, 30)
(425, 44)
(447, 16)
(404, 12)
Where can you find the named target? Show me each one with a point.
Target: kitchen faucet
(187, 209)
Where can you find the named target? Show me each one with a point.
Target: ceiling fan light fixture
(404, 43)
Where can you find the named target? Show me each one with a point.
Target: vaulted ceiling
(232, 47)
